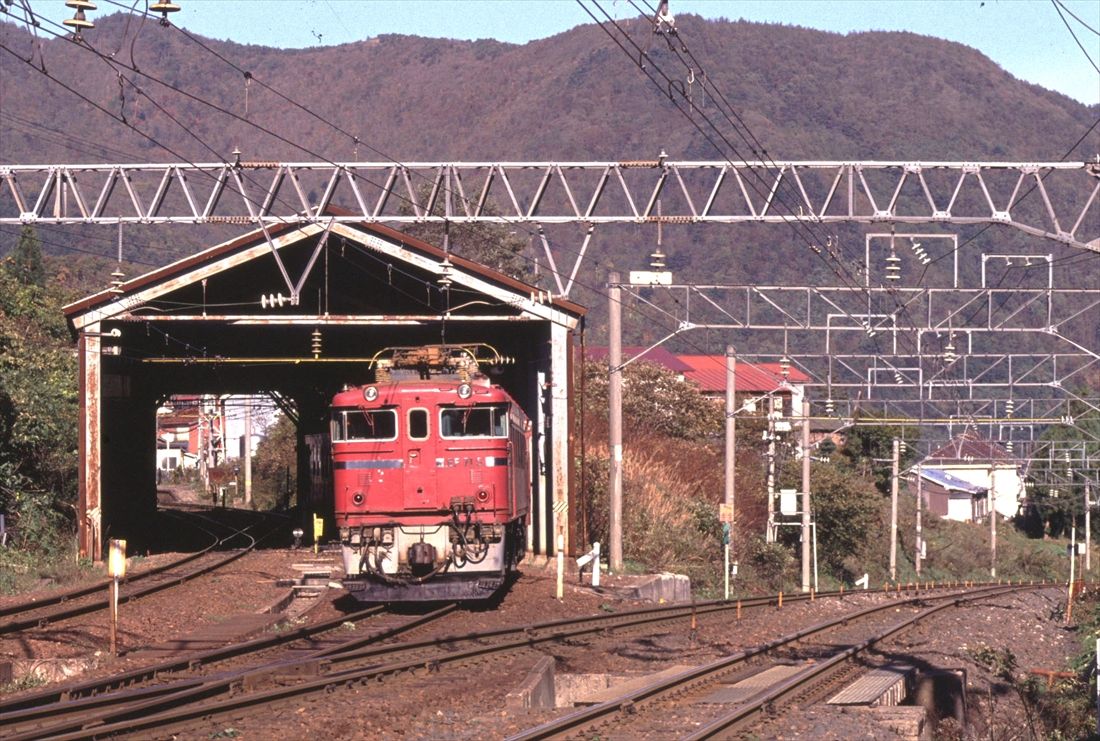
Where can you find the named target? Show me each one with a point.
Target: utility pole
(770, 535)
(805, 495)
(248, 452)
(615, 421)
(731, 441)
(920, 533)
(894, 513)
(731, 462)
(1088, 525)
(993, 523)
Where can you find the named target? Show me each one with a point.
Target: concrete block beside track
(664, 587)
(537, 688)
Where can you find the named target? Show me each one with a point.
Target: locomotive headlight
(482, 495)
(370, 393)
(465, 391)
(357, 499)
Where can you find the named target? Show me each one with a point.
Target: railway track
(167, 706)
(53, 608)
(631, 709)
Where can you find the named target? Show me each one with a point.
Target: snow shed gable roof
(254, 246)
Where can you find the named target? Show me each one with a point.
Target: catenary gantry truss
(1063, 203)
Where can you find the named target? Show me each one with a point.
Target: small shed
(295, 312)
(983, 463)
(951, 497)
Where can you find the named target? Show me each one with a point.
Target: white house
(983, 464)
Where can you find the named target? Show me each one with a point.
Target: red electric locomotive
(431, 477)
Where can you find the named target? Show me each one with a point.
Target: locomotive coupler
(421, 557)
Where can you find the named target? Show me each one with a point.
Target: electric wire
(754, 144)
(1076, 17)
(1058, 7)
(222, 110)
(798, 221)
(307, 109)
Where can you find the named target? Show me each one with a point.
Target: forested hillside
(804, 94)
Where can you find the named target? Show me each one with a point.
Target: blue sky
(1026, 37)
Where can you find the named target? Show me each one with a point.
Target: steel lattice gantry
(583, 193)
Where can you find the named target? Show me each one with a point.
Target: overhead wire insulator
(830, 407)
(1010, 407)
(657, 257)
(949, 354)
(79, 22)
(444, 279)
(164, 8)
(893, 266)
(117, 279)
(785, 367)
(315, 342)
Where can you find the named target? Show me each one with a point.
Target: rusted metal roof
(656, 355)
(709, 374)
(968, 447)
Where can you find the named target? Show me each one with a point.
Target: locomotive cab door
(419, 461)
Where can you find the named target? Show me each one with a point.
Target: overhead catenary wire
(221, 109)
(754, 144)
(798, 223)
(1058, 7)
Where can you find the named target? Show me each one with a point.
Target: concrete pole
(993, 524)
(731, 441)
(615, 404)
(894, 513)
(920, 510)
(805, 495)
(248, 452)
(1088, 525)
(770, 535)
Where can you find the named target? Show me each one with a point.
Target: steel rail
(158, 712)
(589, 716)
(100, 586)
(789, 686)
(96, 605)
(95, 696)
(190, 661)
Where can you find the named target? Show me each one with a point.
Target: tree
(845, 508)
(869, 447)
(275, 456)
(26, 264)
(655, 400)
(1057, 492)
(38, 400)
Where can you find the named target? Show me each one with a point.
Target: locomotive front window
(362, 424)
(418, 424)
(483, 420)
